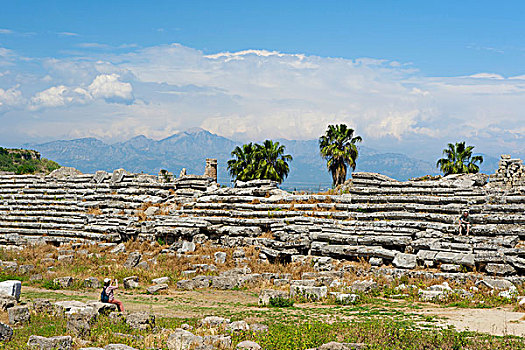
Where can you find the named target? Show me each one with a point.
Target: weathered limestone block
(182, 340)
(52, 343)
(157, 288)
(311, 293)
(12, 288)
(248, 345)
(6, 332)
(132, 260)
(267, 294)
(497, 284)
(140, 320)
(499, 269)
(19, 315)
(64, 282)
(214, 321)
(363, 286)
(405, 261)
(131, 282)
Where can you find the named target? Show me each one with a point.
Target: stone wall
(407, 224)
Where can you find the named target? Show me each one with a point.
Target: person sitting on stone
(464, 223)
(109, 290)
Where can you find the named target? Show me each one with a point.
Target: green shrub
(50, 284)
(281, 302)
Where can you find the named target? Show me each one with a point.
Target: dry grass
(94, 211)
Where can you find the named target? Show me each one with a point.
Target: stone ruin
(511, 173)
(408, 225)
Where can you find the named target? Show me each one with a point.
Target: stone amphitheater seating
(408, 224)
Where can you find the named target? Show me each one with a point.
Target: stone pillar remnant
(211, 169)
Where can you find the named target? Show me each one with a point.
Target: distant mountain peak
(196, 130)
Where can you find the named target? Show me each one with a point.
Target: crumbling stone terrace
(387, 222)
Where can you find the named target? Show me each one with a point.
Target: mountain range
(190, 148)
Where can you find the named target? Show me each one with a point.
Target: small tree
(255, 161)
(459, 160)
(338, 148)
(242, 166)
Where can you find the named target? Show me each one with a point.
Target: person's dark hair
(107, 283)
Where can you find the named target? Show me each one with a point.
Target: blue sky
(438, 37)
(401, 72)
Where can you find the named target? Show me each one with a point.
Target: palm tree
(459, 160)
(338, 148)
(272, 163)
(254, 161)
(242, 167)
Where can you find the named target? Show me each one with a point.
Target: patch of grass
(281, 302)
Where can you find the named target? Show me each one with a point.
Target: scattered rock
(185, 284)
(12, 288)
(150, 211)
(63, 282)
(346, 299)
(187, 247)
(497, 284)
(120, 248)
(238, 326)
(182, 340)
(405, 261)
(66, 259)
(157, 288)
(342, 346)
(9, 267)
(141, 320)
(102, 308)
(248, 345)
(363, 286)
(131, 282)
(91, 282)
(450, 268)
(36, 277)
(224, 282)
(18, 315)
(143, 265)
(53, 343)
(500, 269)
(267, 294)
(42, 306)
(6, 332)
(259, 328)
(118, 347)
(310, 293)
(23, 269)
(80, 322)
(214, 321)
(161, 280)
(220, 257)
(132, 260)
(7, 301)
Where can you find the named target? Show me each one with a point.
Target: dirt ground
(231, 303)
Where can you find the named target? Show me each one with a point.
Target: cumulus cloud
(108, 87)
(104, 86)
(10, 98)
(257, 94)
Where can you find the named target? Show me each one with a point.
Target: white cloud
(67, 34)
(257, 94)
(487, 76)
(58, 96)
(108, 86)
(11, 97)
(104, 86)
